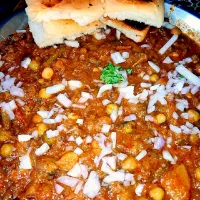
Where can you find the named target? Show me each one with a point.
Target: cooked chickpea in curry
(80, 123)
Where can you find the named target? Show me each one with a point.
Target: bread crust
(148, 12)
(81, 11)
(130, 32)
(55, 32)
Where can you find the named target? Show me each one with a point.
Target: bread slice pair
(52, 21)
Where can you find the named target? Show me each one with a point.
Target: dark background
(8, 7)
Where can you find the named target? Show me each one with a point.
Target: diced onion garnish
(25, 162)
(42, 149)
(103, 89)
(168, 156)
(131, 117)
(145, 85)
(52, 133)
(63, 99)
(118, 176)
(72, 43)
(175, 129)
(15, 91)
(55, 89)
(139, 189)
(59, 188)
(92, 185)
(78, 151)
(118, 34)
(159, 142)
(105, 102)
(146, 46)
(25, 63)
(74, 84)
(79, 140)
(168, 60)
(125, 55)
(88, 139)
(79, 121)
(24, 138)
(78, 187)
(121, 156)
(117, 58)
(168, 44)
(69, 181)
(105, 128)
(154, 66)
(141, 155)
(75, 171)
(188, 75)
(175, 115)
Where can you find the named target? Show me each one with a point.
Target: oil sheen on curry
(100, 119)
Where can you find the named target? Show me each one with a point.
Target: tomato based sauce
(65, 133)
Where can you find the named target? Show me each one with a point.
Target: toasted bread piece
(150, 12)
(54, 32)
(81, 11)
(133, 30)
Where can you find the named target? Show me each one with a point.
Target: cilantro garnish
(111, 74)
(129, 70)
(181, 76)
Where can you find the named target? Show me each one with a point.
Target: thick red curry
(66, 134)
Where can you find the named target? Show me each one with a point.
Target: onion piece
(25, 162)
(25, 63)
(139, 189)
(141, 155)
(117, 58)
(24, 138)
(92, 185)
(159, 142)
(118, 176)
(114, 139)
(72, 43)
(168, 60)
(75, 171)
(69, 181)
(59, 188)
(63, 99)
(129, 118)
(74, 84)
(55, 88)
(103, 89)
(175, 129)
(42, 149)
(188, 75)
(168, 44)
(118, 34)
(51, 134)
(168, 156)
(154, 66)
(78, 151)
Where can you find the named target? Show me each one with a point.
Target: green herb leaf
(129, 70)
(181, 76)
(111, 74)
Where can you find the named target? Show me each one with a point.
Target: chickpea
(49, 141)
(34, 65)
(47, 73)
(129, 164)
(160, 118)
(157, 193)
(36, 119)
(154, 78)
(194, 138)
(96, 147)
(41, 128)
(72, 116)
(128, 128)
(95, 69)
(43, 94)
(4, 135)
(176, 31)
(47, 165)
(67, 161)
(41, 81)
(197, 173)
(111, 107)
(6, 150)
(193, 115)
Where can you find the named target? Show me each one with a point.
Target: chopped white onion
(175, 129)
(105, 102)
(118, 176)
(129, 118)
(24, 138)
(79, 121)
(139, 189)
(55, 89)
(72, 43)
(67, 180)
(25, 162)
(79, 140)
(118, 34)
(114, 139)
(52, 133)
(125, 55)
(42, 149)
(88, 139)
(92, 185)
(75, 171)
(15, 91)
(154, 66)
(74, 84)
(168, 156)
(141, 155)
(168, 44)
(105, 128)
(78, 151)
(159, 142)
(188, 75)
(58, 188)
(103, 89)
(63, 99)
(25, 63)
(117, 58)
